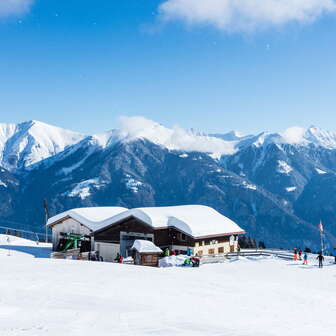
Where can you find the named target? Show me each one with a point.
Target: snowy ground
(246, 297)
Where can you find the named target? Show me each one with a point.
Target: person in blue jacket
(305, 259)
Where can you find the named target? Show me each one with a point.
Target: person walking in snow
(300, 254)
(305, 259)
(320, 259)
(295, 254)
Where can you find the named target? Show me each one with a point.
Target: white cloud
(14, 7)
(245, 15)
(175, 138)
(294, 135)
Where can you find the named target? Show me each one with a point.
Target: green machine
(71, 241)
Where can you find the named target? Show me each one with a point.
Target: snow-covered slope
(24, 144)
(245, 297)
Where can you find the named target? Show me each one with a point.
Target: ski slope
(245, 297)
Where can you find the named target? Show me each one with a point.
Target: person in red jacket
(300, 254)
(295, 254)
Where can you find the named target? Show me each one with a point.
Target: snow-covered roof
(145, 246)
(194, 220)
(93, 218)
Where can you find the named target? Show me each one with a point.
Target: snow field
(245, 297)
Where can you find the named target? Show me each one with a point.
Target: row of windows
(207, 242)
(212, 251)
(214, 242)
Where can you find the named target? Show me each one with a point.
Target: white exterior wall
(107, 250)
(68, 225)
(226, 245)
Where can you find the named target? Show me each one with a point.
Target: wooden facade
(132, 228)
(164, 237)
(147, 259)
(111, 234)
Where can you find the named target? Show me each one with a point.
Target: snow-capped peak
(22, 145)
(321, 137)
(298, 136)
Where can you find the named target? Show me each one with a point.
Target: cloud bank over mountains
(175, 138)
(245, 15)
(14, 7)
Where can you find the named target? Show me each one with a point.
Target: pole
(45, 205)
(321, 237)
(8, 243)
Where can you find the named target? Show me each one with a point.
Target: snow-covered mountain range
(275, 185)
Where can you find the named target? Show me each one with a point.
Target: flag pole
(321, 237)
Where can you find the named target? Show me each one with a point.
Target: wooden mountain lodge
(110, 231)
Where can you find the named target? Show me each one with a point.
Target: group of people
(298, 256)
(167, 252)
(119, 258)
(191, 261)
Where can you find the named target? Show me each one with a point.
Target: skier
(305, 259)
(320, 259)
(166, 252)
(295, 254)
(300, 254)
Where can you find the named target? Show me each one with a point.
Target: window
(183, 236)
(211, 251)
(199, 253)
(220, 249)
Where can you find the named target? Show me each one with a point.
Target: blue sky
(82, 64)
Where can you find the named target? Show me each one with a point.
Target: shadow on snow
(37, 252)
